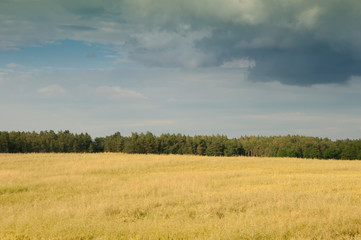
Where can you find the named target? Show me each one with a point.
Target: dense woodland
(219, 145)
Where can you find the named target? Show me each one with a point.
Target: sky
(231, 67)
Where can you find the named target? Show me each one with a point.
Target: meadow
(124, 196)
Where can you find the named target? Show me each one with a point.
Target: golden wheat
(122, 196)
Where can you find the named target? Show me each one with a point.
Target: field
(120, 196)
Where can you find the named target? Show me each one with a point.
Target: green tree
(201, 147)
(4, 142)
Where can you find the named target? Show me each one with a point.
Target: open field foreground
(120, 196)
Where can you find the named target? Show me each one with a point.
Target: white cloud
(13, 65)
(52, 90)
(116, 92)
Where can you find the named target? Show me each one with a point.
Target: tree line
(215, 145)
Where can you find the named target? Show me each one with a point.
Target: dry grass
(120, 196)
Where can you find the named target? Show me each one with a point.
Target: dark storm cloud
(296, 43)
(303, 45)
(285, 56)
(315, 64)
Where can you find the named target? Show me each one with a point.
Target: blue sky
(62, 54)
(234, 67)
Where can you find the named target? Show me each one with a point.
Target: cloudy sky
(233, 67)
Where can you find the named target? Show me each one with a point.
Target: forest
(148, 143)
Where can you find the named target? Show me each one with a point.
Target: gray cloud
(90, 55)
(77, 27)
(85, 9)
(297, 43)
(169, 49)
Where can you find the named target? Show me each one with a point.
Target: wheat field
(123, 196)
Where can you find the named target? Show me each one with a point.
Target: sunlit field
(120, 196)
